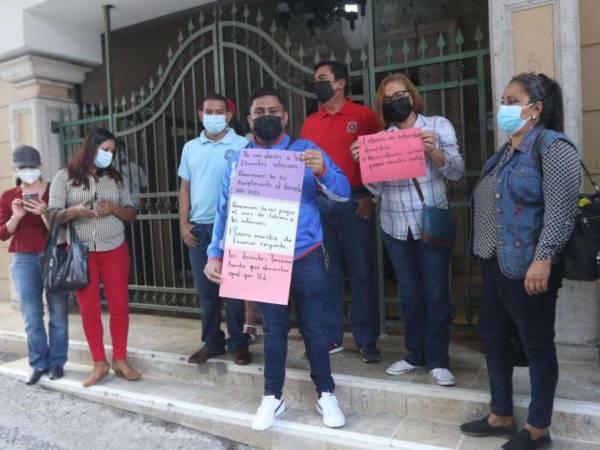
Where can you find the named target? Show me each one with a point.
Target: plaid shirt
(401, 208)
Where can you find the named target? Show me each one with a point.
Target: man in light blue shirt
(202, 164)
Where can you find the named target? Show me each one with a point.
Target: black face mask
(268, 128)
(323, 90)
(397, 110)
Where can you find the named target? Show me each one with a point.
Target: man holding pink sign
(260, 205)
(408, 165)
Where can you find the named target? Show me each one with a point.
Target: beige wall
(590, 74)
(7, 95)
(532, 50)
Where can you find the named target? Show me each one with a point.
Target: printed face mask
(103, 159)
(214, 123)
(29, 175)
(268, 128)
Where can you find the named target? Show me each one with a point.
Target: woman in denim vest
(524, 209)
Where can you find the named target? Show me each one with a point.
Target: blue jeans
(506, 304)
(44, 353)
(350, 242)
(422, 273)
(307, 288)
(211, 303)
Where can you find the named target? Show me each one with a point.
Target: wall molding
(29, 69)
(567, 53)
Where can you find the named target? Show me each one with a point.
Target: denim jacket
(520, 200)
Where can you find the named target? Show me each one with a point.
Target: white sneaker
(329, 408)
(443, 377)
(269, 409)
(400, 367)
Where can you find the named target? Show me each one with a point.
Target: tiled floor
(578, 380)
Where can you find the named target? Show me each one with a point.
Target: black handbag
(438, 225)
(65, 268)
(582, 253)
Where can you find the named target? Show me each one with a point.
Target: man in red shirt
(349, 227)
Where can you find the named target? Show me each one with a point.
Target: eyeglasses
(397, 96)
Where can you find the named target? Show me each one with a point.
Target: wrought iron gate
(232, 51)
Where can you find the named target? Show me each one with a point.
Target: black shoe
(56, 373)
(35, 376)
(482, 428)
(370, 353)
(202, 355)
(523, 441)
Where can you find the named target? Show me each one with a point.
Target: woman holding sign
(421, 264)
(524, 211)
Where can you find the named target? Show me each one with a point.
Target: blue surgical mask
(509, 118)
(103, 159)
(214, 123)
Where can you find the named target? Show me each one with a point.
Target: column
(39, 87)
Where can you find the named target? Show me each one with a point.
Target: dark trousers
(350, 242)
(422, 273)
(307, 289)
(506, 304)
(211, 303)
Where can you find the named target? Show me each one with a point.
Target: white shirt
(401, 207)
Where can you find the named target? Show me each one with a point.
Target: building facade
(164, 55)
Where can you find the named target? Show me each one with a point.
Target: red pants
(112, 269)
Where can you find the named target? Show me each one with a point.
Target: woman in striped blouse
(91, 193)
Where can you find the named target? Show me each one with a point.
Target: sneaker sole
(279, 411)
(393, 373)
(320, 411)
(444, 383)
(336, 350)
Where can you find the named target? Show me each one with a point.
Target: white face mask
(29, 176)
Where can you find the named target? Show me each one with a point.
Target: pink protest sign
(396, 155)
(261, 226)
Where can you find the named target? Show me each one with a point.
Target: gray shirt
(99, 234)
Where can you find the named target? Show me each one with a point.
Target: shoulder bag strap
(55, 224)
(585, 170)
(589, 176)
(415, 181)
(419, 191)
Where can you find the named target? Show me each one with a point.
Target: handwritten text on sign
(261, 226)
(269, 174)
(396, 155)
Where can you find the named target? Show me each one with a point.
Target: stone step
(392, 398)
(228, 413)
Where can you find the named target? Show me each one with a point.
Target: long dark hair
(81, 165)
(542, 88)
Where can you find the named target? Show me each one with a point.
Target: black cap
(26, 156)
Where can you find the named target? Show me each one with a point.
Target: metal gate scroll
(233, 51)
